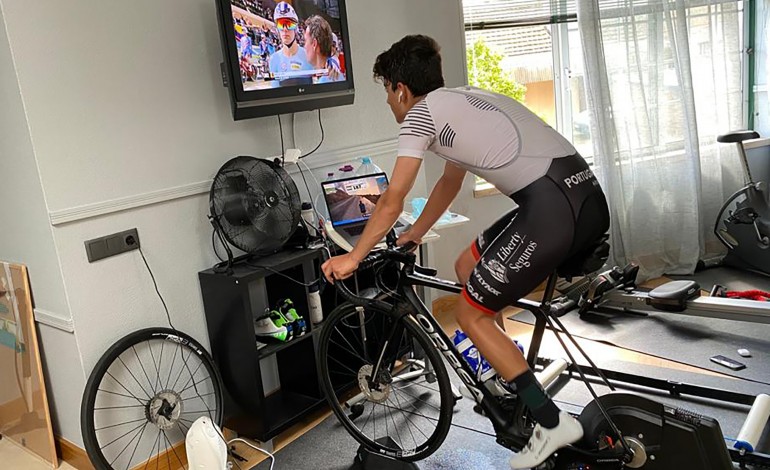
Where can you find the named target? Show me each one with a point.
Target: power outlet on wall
(111, 245)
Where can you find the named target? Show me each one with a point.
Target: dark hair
(414, 61)
(321, 31)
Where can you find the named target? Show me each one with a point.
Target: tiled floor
(14, 457)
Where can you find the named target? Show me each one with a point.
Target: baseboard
(77, 457)
(72, 454)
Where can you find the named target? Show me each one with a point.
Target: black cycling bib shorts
(559, 215)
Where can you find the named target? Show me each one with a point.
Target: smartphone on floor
(727, 362)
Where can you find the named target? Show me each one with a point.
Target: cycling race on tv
(288, 43)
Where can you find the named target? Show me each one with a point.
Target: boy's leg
(522, 254)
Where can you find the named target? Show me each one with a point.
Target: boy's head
(410, 69)
(414, 61)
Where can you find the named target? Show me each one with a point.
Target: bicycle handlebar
(402, 254)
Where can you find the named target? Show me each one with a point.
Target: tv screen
(285, 56)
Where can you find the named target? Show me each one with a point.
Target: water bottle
(309, 217)
(367, 167)
(473, 357)
(314, 304)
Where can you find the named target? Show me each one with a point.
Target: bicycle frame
(502, 422)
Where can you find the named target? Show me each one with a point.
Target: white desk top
(455, 219)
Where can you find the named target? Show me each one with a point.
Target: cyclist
(561, 210)
(291, 57)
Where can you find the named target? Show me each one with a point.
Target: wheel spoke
(196, 383)
(120, 437)
(171, 369)
(118, 394)
(149, 382)
(131, 459)
(420, 399)
(120, 424)
(160, 365)
(184, 363)
(406, 419)
(129, 443)
(157, 369)
(124, 388)
(191, 375)
(132, 375)
(152, 450)
(352, 349)
(355, 374)
(118, 407)
(173, 449)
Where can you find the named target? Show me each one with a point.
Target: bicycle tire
(444, 420)
(196, 358)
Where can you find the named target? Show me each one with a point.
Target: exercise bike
(745, 231)
(368, 346)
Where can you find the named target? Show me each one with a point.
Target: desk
(454, 220)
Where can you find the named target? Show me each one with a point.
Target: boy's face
(396, 107)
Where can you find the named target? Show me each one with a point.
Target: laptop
(351, 202)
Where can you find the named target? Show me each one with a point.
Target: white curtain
(762, 72)
(663, 79)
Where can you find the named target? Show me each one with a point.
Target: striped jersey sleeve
(418, 131)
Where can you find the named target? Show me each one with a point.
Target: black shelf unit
(231, 303)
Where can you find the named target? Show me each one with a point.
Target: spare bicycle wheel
(142, 397)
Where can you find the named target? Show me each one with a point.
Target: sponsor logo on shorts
(476, 296)
(523, 261)
(496, 269)
(508, 250)
(484, 284)
(580, 177)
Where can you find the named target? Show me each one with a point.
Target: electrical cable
(321, 125)
(280, 131)
(271, 456)
(314, 202)
(214, 245)
(184, 360)
(285, 276)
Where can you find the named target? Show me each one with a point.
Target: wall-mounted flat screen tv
(285, 56)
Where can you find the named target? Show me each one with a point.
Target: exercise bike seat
(737, 136)
(673, 296)
(586, 261)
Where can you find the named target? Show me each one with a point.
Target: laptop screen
(353, 199)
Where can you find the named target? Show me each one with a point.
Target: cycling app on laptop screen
(353, 200)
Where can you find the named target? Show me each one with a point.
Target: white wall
(26, 237)
(128, 102)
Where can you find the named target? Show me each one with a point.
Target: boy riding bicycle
(561, 210)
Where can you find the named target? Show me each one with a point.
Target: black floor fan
(254, 206)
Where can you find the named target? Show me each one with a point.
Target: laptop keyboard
(357, 230)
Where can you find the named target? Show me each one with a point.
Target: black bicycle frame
(501, 421)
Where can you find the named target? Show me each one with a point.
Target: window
(531, 51)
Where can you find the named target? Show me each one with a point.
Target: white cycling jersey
(488, 134)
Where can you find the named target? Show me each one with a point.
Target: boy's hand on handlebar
(339, 267)
(408, 237)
